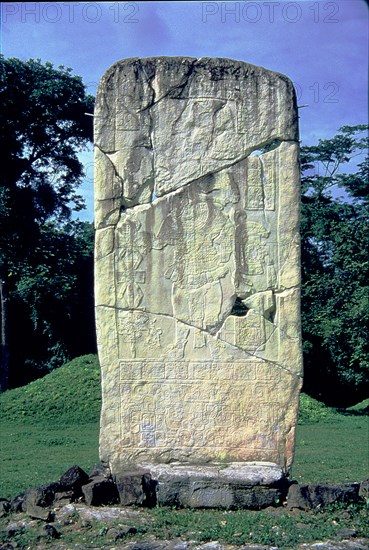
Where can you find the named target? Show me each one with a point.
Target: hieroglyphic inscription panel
(197, 262)
(200, 415)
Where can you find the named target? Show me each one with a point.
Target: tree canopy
(46, 258)
(43, 126)
(335, 266)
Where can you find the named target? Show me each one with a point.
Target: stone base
(252, 485)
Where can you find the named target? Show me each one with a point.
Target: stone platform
(252, 485)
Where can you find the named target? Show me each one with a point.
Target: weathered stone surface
(121, 532)
(5, 507)
(38, 501)
(100, 470)
(105, 514)
(239, 485)
(62, 498)
(306, 497)
(73, 479)
(364, 489)
(50, 531)
(39, 512)
(192, 217)
(17, 503)
(134, 488)
(347, 533)
(100, 492)
(360, 544)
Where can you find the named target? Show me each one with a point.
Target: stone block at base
(135, 488)
(306, 497)
(252, 485)
(100, 492)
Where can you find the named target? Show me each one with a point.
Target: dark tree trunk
(4, 348)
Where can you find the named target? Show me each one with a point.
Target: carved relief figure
(188, 221)
(201, 237)
(133, 246)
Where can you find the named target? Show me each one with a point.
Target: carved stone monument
(197, 263)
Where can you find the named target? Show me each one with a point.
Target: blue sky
(321, 45)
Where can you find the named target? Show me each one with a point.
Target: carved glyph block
(197, 262)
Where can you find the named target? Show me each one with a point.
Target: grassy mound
(72, 395)
(68, 395)
(361, 408)
(53, 423)
(312, 411)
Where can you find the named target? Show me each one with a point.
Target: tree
(335, 267)
(52, 302)
(42, 128)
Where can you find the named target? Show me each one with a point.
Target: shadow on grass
(347, 412)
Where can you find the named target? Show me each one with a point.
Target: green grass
(49, 425)
(331, 446)
(36, 454)
(69, 395)
(275, 527)
(362, 407)
(53, 423)
(272, 527)
(332, 452)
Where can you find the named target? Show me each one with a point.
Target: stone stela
(197, 268)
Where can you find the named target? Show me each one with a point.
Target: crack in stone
(213, 137)
(179, 86)
(286, 288)
(263, 179)
(167, 315)
(103, 224)
(251, 355)
(276, 142)
(151, 130)
(226, 166)
(194, 182)
(116, 174)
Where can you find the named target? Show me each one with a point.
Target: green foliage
(69, 395)
(335, 268)
(42, 126)
(52, 301)
(312, 411)
(45, 259)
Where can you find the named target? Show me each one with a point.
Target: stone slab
(197, 212)
(238, 485)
